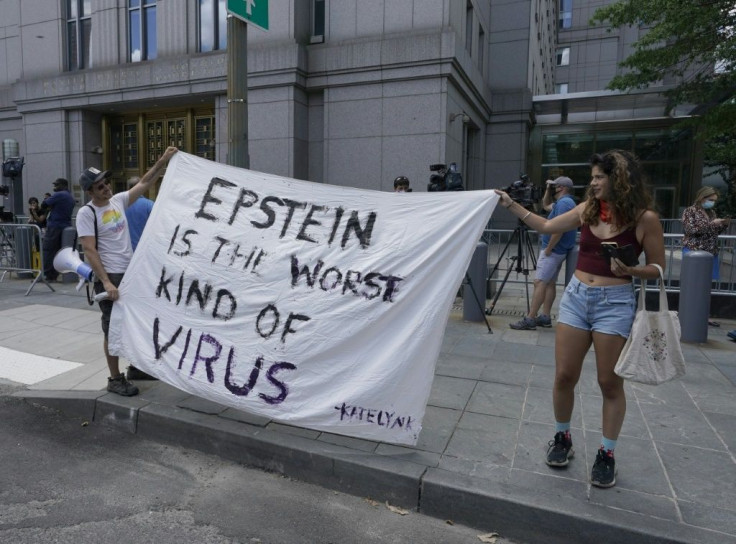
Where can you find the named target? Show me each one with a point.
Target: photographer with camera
(557, 200)
(598, 306)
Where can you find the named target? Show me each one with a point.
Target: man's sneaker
(560, 450)
(121, 386)
(137, 374)
(543, 321)
(524, 324)
(604, 469)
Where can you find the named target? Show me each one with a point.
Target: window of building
(142, 25)
(561, 88)
(469, 28)
(665, 155)
(212, 25)
(563, 56)
(78, 27)
(318, 21)
(565, 13)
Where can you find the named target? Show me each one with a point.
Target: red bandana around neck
(605, 212)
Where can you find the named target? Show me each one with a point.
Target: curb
(513, 511)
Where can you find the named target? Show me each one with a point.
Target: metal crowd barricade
(726, 286)
(20, 252)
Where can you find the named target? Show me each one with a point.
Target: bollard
(694, 307)
(474, 308)
(571, 261)
(69, 239)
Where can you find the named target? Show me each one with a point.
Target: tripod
(521, 233)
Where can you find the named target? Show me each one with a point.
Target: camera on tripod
(524, 192)
(446, 178)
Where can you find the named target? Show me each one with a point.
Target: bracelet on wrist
(527, 215)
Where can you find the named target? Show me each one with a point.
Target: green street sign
(254, 12)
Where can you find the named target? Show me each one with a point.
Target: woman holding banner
(598, 306)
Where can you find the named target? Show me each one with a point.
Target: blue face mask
(708, 204)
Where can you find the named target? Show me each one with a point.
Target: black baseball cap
(91, 176)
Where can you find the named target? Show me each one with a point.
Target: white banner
(311, 304)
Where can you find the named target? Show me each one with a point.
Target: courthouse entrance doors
(133, 142)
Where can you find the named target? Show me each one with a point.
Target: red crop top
(591, 258)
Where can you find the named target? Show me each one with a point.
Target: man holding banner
(105, 238)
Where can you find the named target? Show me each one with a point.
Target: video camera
(446, 178)
(523, 191)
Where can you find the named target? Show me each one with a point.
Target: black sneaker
(137, 374)
(604, 470)
(560, 450)
(121, 386)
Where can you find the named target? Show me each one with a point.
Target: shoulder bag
(652, 354)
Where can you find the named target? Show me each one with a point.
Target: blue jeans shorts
(608, 310)
(548, 268)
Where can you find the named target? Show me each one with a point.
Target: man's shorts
(548, 268)
(609, 310)
(106, 305)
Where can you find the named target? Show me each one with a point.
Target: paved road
(62, 482)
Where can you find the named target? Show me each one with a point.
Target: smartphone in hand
(626, 254)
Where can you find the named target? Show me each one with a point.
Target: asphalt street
(65, 481)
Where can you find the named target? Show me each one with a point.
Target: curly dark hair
(629, 193)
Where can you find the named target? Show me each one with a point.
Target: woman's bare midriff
(595, 280)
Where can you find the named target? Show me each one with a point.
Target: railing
(497, 240)
(20, 252)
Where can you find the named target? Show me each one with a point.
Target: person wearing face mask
(557, 200)
(702, 227)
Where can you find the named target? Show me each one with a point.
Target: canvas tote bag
(652, 354)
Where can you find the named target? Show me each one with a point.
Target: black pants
(51, 244)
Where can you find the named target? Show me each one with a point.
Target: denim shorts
(548, 268)
(608, 310)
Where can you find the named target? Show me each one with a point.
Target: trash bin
(474, 308)
(695, 282)
(69, 239)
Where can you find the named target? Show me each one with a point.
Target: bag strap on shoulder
(90, 300)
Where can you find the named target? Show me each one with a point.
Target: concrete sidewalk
(480, 457)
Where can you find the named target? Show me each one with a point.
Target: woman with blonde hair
(598, 306)
(702, 227)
